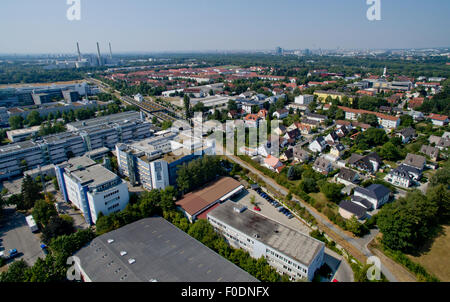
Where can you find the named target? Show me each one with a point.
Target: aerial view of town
(174, 141)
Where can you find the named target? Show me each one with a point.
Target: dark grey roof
(363, 201)
(408, 132)
(161, 251)
(376, 191)
(413, 160)
(430, 151)
(364, 162)
(347, 174)
(353, 208)
(410, 169)
(289, 153)
(339, 147)
(400, 171)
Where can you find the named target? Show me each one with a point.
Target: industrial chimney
(79, 52)
(99, 55)
(110, 50)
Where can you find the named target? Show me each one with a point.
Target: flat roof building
(91, 188)
(154, 250)
(289, 251)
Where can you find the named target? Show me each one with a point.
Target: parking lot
(15, 234)
(270, 211)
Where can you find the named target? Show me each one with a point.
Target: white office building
(91, 188)
(288, 251)
(304, 99)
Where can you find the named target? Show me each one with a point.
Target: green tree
(43, 211)
(56, 227)
(33, 119)
(30, 192)
(392, 152)
(187, 105)
(332, 191)
(17, 272)
(16, 122)
(407, 223)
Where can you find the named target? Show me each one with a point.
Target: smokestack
(99, 55)
(79, 52)
(110, 50)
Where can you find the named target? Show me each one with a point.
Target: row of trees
(198, 172)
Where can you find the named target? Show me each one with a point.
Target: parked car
(13, 254)
(44, 249)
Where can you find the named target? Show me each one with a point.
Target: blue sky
(30, 26)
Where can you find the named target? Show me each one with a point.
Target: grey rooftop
(161, 252)
(292, 243)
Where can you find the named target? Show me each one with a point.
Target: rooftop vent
(123, 253)
(131, 261)
(110, 241)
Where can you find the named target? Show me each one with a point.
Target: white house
(281, 114)
(376, 194)
(318, 145)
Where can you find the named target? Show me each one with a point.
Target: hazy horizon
(176, 26)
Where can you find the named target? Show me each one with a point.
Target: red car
(257, 209)
(335, 280)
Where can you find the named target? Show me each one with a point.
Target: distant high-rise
(279, 51)
(100, 63)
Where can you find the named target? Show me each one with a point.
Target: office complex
(153, 162)
(91, 188)
(290, 252)
(86, 136)
(38, 94)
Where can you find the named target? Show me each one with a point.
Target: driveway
(16, 234)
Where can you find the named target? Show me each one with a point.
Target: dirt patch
(436, 258)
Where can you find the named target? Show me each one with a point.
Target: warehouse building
(290, 252)
(154, 250)
(199, 201)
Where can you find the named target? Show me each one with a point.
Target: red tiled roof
(198, 200)
(438, 117)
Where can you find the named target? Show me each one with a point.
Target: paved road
(16, 234)
(360, 243)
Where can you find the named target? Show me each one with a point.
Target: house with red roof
(273, 164)
(252, 120)
(438, 120)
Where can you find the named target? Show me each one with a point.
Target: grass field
(435, 258)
